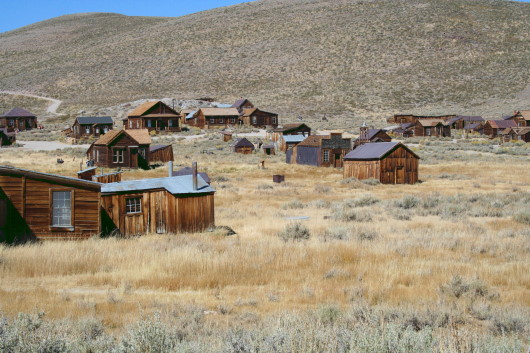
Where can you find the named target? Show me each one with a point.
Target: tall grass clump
(295, 232)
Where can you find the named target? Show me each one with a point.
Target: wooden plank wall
(362, 169)
(31, 201)
(162, 155)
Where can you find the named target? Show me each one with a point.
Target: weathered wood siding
(29, 209)
(162, 154)
(161, 212)
(244, 150)
(102, 155)
(399, 167)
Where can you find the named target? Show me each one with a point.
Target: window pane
(62, 209)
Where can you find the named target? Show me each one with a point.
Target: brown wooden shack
(278, 135)
(243, 146)
(410, 118)
(36, 205)
(160, 154)
(87, 126)
(493, 127)
(19, 119)
(153, 116)
(242, 104)
(432, 127)
(208, 118)
(388, 162)
(371, 135)
(462, 121)
(259, 118)
(162, 205)
(320, 151)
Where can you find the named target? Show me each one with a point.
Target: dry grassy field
(447, 258)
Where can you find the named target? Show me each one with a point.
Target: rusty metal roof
(379, 150)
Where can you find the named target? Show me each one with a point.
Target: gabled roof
(141, 136)
(59, 179)
(431, 122)
(250, 111)
(243, 142)
(525, 114)
(240, 102)
(312, 141)
(371, 151)
(522, 130)
(501, 124)
(175, 185)
(191, 115)
(220, 111)
(189, 171)
(18, 112)
(86, 120)
(290, 127)
(472, 126)
(144, 108)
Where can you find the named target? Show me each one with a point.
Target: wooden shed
(259, 118)
(461, 121)
(207, 118)
(162, 205)
(371, 135)
(320, 151)
(388, 162)
(160, 154)
(493, 127)
(432, 127)
(18, 119)
(153, 116)
(521, 118)
(298, 129)
(87, 126)
(243, 146)
(227, 135)
(36, 205)
(242, 104)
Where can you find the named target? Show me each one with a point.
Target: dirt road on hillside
(52, 108)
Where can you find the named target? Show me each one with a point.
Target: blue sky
(19, 13)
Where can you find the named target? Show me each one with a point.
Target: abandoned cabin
(243, 146)
(289, 135)
(242, 104)
(388, 162)
(521, 118)
(259, 118)
(493, 127)
(515, 134)
(460, 122)
(207, 118)
(268, 149)
(127, 149)
(371, 135)
(320, 151)
(36, 205)
(153, 116)
(432, 127)
(410, 118)
(19, 119)
(88, 126)
(403, 130)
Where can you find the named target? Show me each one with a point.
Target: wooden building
(18, 119)
(91, 126)
(474, 128)
(227, 135)
(403, 130)
(410, 118)
(162, 205)
(127, 149)
(160, 154)
(432, 127)
(208, 118)
(36, 205)
(371, 135)
(153, 116)
(243, 146)
(278, 135)
(242, 104)
(320, 151)
(388, 162)
(259, 118)
(461, 121)
(493, 127)
(268, 149)
(521, 118)
(515, 134)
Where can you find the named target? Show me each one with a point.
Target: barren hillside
(345, 58)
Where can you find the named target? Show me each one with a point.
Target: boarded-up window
(133, 205)
(62, 208)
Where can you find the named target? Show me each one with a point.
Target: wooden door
(400, 175)
(133, 157)
(338, 160)
(134, 224)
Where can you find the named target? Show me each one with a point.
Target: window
(141, 152)
(133, 205)
(105, 129)
(427, 131)
(117, 156)
(326, 156)
(149, 123)
(97, 155)
(212, 121)
(11, 122)
(273, 120)
(130, 124)
(233, 120)
(62, 208)
(221, 120)
(254, 120)
(87, 129)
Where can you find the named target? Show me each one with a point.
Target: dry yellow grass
(405, 265)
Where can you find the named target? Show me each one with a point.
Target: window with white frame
(221, 120)
(62, 208)
(130, 124)
(326, 156)
(233, 120)
(133, 205)
(87, 129)
(427, 131)
(212, 121)
(105, 129)
(117, 156)
(254, 120)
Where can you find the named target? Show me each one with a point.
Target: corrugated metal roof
(470, 117)
(182, 184)
(238, 103)
(374, 150)
(191, 114)
(84, 120)
(294, 138)
(222, 105)
(18, 112)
